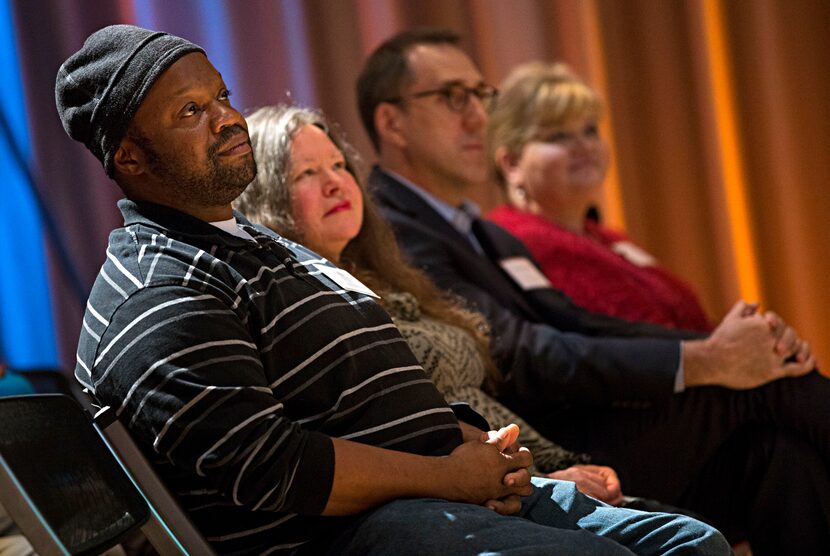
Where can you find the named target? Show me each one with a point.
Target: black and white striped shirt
(233, 363)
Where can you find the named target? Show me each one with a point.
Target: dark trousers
(755, 462)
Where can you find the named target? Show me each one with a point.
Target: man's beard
(216, 185)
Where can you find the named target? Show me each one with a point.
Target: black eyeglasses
(456, 95)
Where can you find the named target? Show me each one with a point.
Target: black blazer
(551, 351)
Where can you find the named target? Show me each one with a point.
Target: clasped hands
(511, 468)
(491, 469)
(506, 439)
(749, 349)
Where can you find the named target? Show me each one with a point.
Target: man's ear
(389, 124)
(128, 158)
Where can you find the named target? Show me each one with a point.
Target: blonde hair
(534, 97)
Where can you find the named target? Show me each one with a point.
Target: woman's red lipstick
(341, 206)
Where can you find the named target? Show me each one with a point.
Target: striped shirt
(234, 362)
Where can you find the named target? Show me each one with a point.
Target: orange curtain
(718, 120)
(717, 116)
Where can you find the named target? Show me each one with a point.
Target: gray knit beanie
(100, 87)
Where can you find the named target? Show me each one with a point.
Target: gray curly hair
(267, 200)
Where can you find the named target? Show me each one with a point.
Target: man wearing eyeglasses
(703, 423)
(444, 161)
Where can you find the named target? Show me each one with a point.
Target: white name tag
(345, 280)
(524, 273)
(633, 254)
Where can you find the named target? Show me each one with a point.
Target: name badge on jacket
(345, 280)
(524, 273)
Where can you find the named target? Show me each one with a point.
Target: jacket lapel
(482, 270)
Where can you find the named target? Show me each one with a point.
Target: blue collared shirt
(461, 218)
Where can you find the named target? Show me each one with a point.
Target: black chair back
(60, 482)
(74, 485)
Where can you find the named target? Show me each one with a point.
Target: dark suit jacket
(552, 351)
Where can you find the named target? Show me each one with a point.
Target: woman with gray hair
(307, 189)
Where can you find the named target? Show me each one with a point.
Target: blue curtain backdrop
(27, 335)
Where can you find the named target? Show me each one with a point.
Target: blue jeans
(555, 519)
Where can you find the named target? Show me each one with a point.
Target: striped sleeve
(186, 377)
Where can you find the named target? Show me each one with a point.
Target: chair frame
(26, 516)
(173, 531)
(166, 526)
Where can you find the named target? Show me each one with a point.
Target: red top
(604, 272)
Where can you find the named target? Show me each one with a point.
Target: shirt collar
(169, 219)
(231, 226)
(461, 218)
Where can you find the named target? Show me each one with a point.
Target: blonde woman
(551, 160)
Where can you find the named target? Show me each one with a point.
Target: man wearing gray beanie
(99, 89)
(272, 398)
